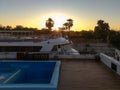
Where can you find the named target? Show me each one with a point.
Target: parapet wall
(110, 62)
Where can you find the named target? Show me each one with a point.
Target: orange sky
(85, 13)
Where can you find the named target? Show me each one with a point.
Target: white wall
(87, 56)
(117, 54)
(107, 60)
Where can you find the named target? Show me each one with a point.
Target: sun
(58, 18)
(58, 21)
(40, 20)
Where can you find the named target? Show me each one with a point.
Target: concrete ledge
(81, 56)
(110, 62)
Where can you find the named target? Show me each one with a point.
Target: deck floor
(87, 75)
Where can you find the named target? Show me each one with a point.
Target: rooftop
(87, 75)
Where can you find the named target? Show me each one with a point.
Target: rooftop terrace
(87, 75)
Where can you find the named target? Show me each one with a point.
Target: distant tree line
(101, 32)
(17, 27)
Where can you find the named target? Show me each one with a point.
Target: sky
(85, 13)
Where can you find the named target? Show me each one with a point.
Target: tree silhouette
(106, 26)
(70, 23)
(19, 27)
(102, 30)
(67, 25)
(8, 28)
(114, 37)
(49, 24)
(100, 24)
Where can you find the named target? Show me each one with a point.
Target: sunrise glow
(85, 13)
(58, 18)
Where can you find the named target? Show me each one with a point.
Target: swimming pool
(30, 75)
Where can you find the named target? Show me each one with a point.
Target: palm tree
(49, 24)
(65, 25)
(70, 23)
